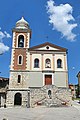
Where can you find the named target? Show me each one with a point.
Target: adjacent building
(78, 86)
(4, 82)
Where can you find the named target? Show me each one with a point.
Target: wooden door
(48, 79)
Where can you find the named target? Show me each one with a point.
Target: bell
(20, 44)
(21, 40)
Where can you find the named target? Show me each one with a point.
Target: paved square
(41, 113)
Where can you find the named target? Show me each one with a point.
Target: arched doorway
(18, 99)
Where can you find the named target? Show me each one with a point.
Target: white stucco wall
(53, 58)
(61, 79)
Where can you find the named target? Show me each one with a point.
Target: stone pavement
(41, 113)
(76, 104)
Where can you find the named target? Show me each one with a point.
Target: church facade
(34, 67)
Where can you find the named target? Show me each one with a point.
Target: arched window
(48, 63)
(59, 63)
(21, 41)
(49, 93)
(19, 78)
(36, 63)
(20, 59)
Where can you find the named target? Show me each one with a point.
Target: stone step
(58, 97)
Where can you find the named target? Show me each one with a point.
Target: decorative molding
(53, 59)
(21, 59)
(42, 61)
(48, 74)
(50, 44)
(13, 44)
(28, 34)
(65, 62)
(12, 59)
(30, 61)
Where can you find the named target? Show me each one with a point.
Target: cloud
(3, 47)
(61, 17)
(2, 35)
(7, 34)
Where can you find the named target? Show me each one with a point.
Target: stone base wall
(11, 94)
(48, 95)
(42, 96)
(13, 83)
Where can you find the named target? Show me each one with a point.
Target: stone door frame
(52, 74)
(48, 79)
(18, 99)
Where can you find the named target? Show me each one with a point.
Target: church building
(34, 67)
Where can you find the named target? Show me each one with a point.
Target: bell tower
(21, 40)
(18, 83)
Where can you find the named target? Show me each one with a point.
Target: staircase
(58, 97)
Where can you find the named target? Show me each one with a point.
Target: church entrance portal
(48, 79)
(18, 99)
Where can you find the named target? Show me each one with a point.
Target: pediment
(47, 46)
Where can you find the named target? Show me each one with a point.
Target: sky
(54, 21)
